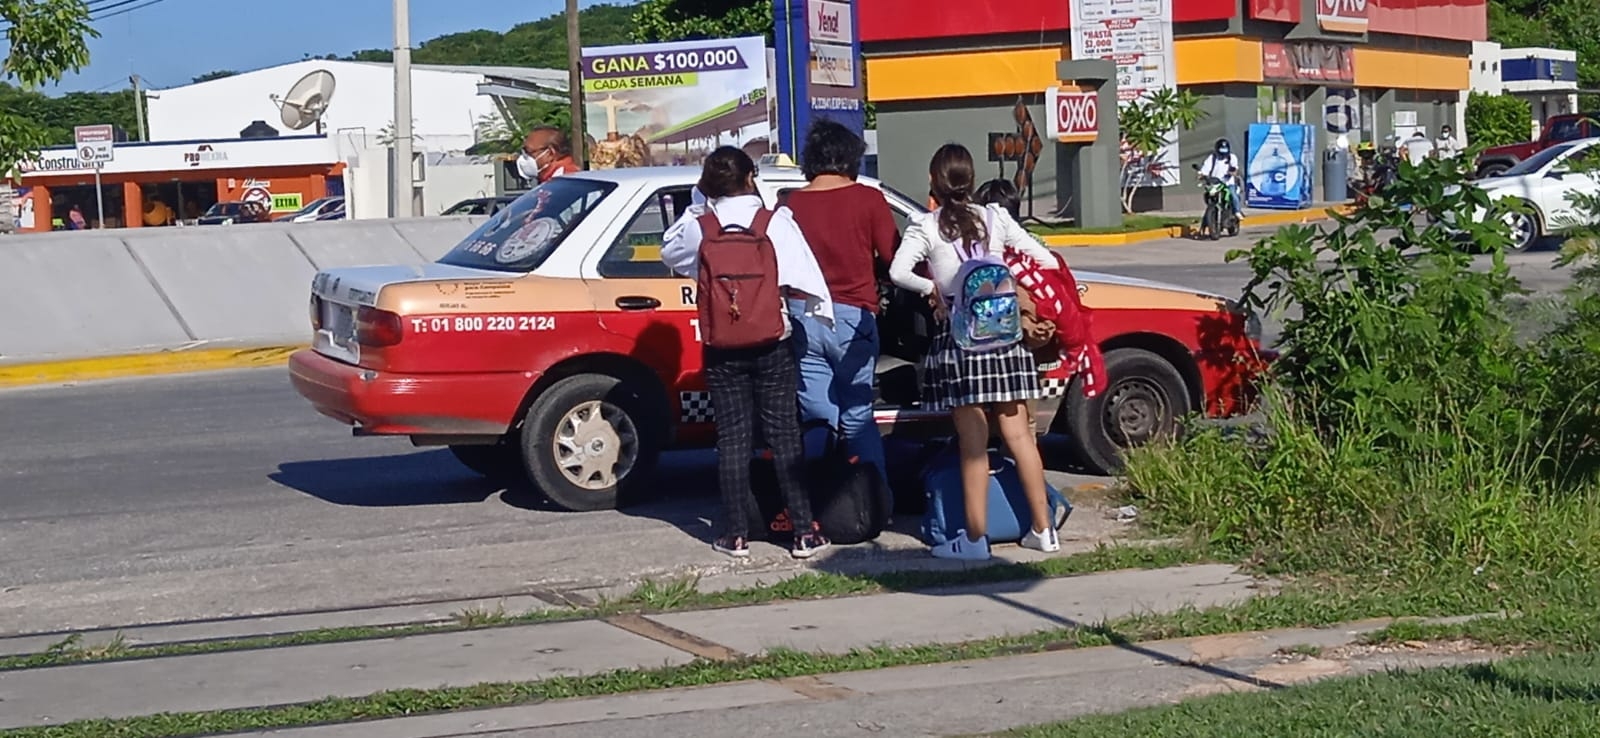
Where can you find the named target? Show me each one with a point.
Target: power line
(103, 9)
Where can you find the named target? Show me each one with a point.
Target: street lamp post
(405, 196)
(575, 80)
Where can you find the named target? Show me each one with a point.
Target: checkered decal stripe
(696, 407)
(1053, 386)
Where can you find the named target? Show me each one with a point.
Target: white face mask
(528, 167)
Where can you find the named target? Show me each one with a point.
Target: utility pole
(405, 195)
(138, 104)
(575, 80)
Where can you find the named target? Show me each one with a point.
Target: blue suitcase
(1008, 506)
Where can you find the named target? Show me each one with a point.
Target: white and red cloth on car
(1056, 299)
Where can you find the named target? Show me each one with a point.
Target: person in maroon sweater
(853, 234)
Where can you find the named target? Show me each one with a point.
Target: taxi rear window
(523, 234)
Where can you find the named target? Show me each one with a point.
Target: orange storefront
(187, 177)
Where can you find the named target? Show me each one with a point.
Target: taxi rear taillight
(377, 328)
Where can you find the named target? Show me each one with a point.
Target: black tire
(1145, 396)
(501, 462)
(1233, 225)
(1494, 169)
(634, 427)
(1213, 221)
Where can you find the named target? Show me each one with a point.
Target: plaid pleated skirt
(952, 377)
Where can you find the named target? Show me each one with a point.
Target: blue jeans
(837, 367)
(1238, 198)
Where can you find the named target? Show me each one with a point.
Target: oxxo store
(187, 176)
(979, 73)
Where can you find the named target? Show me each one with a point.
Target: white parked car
(1545, 183)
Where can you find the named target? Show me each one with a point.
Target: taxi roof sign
(776, 161)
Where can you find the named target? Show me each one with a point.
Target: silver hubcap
(1136, 412)
(595, 445)
(1520, 227)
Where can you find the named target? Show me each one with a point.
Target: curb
(142, 365)
(1086, 240)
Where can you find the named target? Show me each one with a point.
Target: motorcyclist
(1223, 165)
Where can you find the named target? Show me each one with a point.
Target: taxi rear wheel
(588, 440)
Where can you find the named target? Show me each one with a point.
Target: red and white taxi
(552, 345)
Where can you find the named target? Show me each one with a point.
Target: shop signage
(95, 143)
(1136, 36)
(1342, 16)
(244, 154)
(1282, 11)
(816, 68)
(830, 22)
(1308, 62)
(1073, 114)
(832, 65)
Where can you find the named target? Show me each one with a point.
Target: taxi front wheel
(1143, 400)
(588, 439)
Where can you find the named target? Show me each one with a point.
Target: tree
(1496, 120)
(676, 20)
(496, 136)
(219, 74)
(47, 39)
(1147, 126)
(541, 44)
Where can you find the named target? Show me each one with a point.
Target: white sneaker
(961, 548)
(1045, 541)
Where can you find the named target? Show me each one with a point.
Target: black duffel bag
(848, 498)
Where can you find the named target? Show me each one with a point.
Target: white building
(451, 107)
(448, 102)
(1546, 78)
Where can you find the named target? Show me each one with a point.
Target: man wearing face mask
(545, 155)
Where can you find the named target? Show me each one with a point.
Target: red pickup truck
(1558, 128)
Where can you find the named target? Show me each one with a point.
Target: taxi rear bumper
(387, 403)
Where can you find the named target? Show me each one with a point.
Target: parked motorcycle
(1377, 171)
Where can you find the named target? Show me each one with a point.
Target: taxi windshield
(523, 234)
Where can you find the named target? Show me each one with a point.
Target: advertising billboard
(673, 103)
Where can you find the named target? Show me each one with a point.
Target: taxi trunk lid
(345, 300)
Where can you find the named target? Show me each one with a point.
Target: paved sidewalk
(534, 652)
(961, 698)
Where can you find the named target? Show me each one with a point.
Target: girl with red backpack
(751, 262)
(977, 364)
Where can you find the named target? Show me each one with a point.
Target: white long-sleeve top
(922, 242)
(797, 266)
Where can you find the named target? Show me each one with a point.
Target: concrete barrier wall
(100, 293)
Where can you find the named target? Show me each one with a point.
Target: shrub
(1497, 120)
(1407, 423)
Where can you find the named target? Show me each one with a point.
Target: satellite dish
(307, 100)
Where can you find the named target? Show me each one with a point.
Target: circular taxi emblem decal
(531, 237)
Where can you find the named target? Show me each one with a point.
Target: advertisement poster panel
(673, 103)
(1278, 166)
(819, 67)
(1137, 36)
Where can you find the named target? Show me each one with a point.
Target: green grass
(1311, 601)
(649, 597)
(1130, 224)
(1533, 695)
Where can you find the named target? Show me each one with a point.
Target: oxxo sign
(1072, 114)
(1342, 16)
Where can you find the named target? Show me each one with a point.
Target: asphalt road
(136, 501)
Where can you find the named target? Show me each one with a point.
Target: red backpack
(741, 304)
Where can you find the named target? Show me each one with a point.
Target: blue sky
(169, 42)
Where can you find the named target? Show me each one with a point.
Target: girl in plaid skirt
(973, 384)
